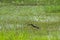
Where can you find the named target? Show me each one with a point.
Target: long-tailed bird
(34, 26)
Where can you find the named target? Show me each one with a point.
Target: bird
(34, 26)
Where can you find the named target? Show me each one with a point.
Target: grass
(30, 2)
(14, 22)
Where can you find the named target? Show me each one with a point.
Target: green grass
(38, 2)
(14, 22)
